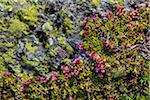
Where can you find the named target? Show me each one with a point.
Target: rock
(50, 40)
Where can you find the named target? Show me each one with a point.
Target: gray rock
(50, 40)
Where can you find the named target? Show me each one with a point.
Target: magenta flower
(53, 79)
(21, 89)
(47, 78)
(96, 57)
(57, 87)
(97, 69)
(79, 45)
(44, 81)
(88, 53)
(70, 98)
(94, 19)
(62, 67)
(123, 36)
(77, 61)
(77, 72)
(102, 71)
(42, 78)
(67, 69)
(66, 84)
(87, 27)
(112, 46)
(53, 73)
(108, 74)
(27, 82)
(85, 20)
(7, 73)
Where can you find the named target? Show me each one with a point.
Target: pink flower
(42, 78)
(123, 36)
(18, 78)
(66, 84)
(53, 79)
(21, 88)
(101, 75)
(111, 46)
(22, 84)
(88, 53)
(44, 81)
(85, 20)
(108, 74)
(27, 82)
(96, 57)
(69, 75)
(102, 71)
(94, 19)
(105, 19)
(70, 98)
(87, 27)
(57, 87)
(77, 72)
(62, 67)
(53, 73)
(77, 61)
(79, 45)
(85, 33)
(97, 69)
(82, 67)
(7, 73)
(67, 69)
(47, 78)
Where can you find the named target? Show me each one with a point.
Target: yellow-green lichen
(30, 47)
(17, 27)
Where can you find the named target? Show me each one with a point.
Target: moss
(47, 27)
(62, 40)
(1, 61)
(30, 47)
(96, 2)
(68, 25)
(8, 59)
(6, 44)
(28, 14)
(17, 27)
(69, 49)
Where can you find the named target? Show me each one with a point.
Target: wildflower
(53, 79)
(102, 71)
(42, 78)
(27, 82)
(96, 57)
(62, 67)
(123, 36)
(7, 73)
(21, 89)
(67, 69)
(77, 61)
(108, 74)
(66, 84)
(53, 73)
(97, 69)
(79, 45)
(88, 53)
(57, 87)
(70, 98)
(87, 27)
(47, 78)
(112, 46)
(85, 20)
